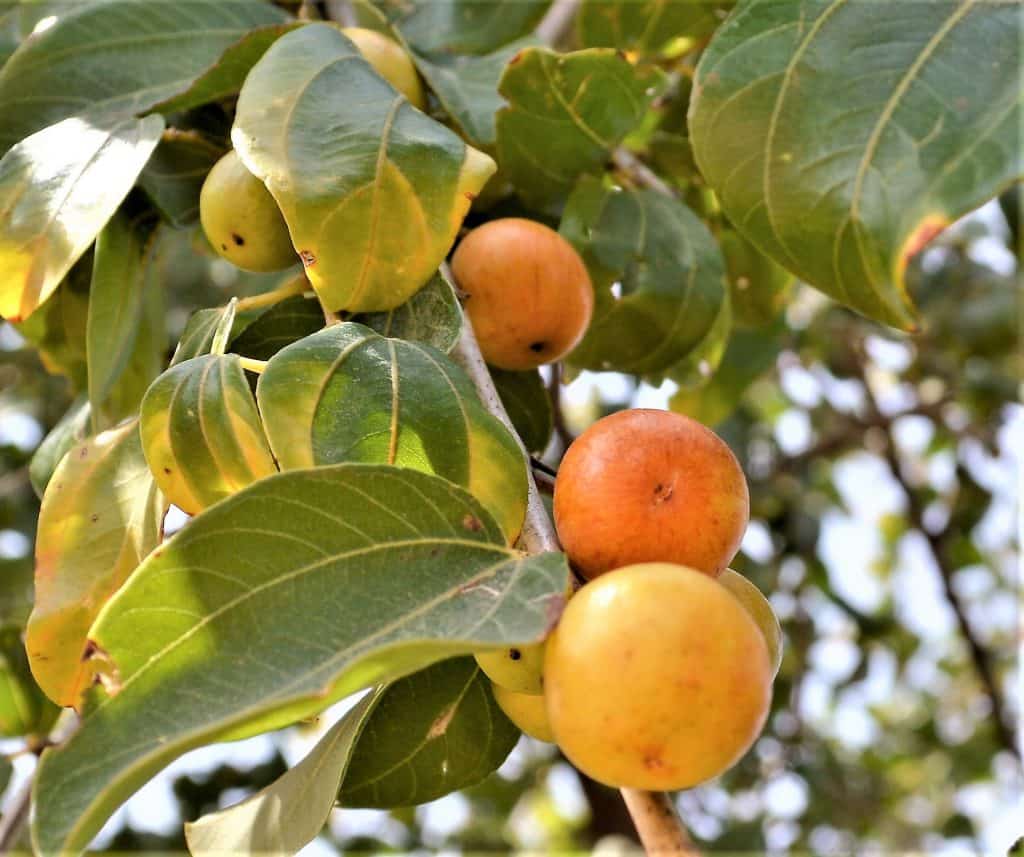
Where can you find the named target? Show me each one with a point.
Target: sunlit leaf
(875, 131)
(279, 600)
(100, 516)
(375, 203)
(580, 105)
(349, 394)
(659, 278)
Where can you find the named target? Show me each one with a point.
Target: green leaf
(431, 733)
(293, 593)
(282, 324)
(645, 26)
(290, 812)
(840, 140)
(119, 59)
(349, 394)
(669, 271)
(463, 26)
(201, 433)
(432, 316)
(529, 407)
(58, 188)
(24, 708)
(375, 204)
(72, 429)
(749, 354)
(759, 288)
(467, 87)
(175, 174)
(702, 361)
(121, 288)
(100, 516)
(197, 338)
(580, 105)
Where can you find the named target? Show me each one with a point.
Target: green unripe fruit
(390, 62)
(525, 710)
(518, 668)
(760, 611)
(242, 220)
(201, 433)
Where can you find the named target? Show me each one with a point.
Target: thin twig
(639, 172)
(556, 25)
(660, 829)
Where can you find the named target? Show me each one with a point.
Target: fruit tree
(309, 282)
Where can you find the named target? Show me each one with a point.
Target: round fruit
(201, 433)
(242, 220)
(650, 486)
(390, 62)
(526, 710)
(519, 668)
(656, 678)
(527, 292)
(760, 611)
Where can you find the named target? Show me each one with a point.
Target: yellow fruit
(390, 62)
(656, 678)
(526, 710)
(526, 291)
(519, 668)
(760, 611)
(242, 220)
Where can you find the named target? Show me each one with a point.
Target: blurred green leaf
(529, 407)
(24, 708)
(646, 26)
(759, 288)
(71, 430)
(175, 174)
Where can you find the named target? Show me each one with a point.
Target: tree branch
(658, 824)
(557, 23)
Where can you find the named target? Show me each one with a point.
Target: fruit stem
(295, 286)
(654, 815)
(251, 364)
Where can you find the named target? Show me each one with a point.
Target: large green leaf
(463, 26)
(58, 188)
(119, 59)
(117, 334)
(580, 105)
(467, 86)
(431, 733)
(293, 593)
(659, 278)
(840, 136)
(646, 26)
(372, 189)
(291, 811)
(349, 394)
(100, 516)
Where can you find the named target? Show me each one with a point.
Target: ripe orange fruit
(527, 292)
(650, 486)
(656, 678)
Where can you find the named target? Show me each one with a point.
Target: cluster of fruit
(659, 672)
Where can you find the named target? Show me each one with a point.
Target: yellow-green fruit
(517, 668)
(760, 611)
(242, 220)
(656, 678)
(390, 62)
(527, 711)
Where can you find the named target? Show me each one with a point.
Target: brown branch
(981, 658)
(659, 826)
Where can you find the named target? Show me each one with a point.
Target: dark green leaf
(120, 58)
(580, 105)
(285, 322)
(664, 265)
(349, 394)
(374, 212)
(175, 174)
(293, 593)
(432, 316)
(874, 132)
(463, 26)
(529, 407)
